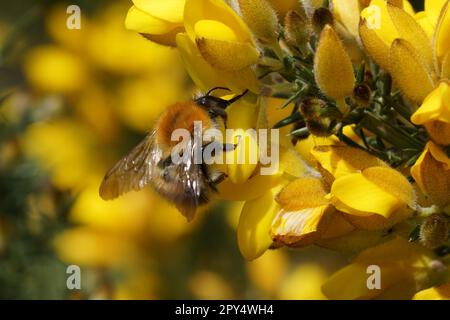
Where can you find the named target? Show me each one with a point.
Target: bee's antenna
(231, 101)
(216, 88)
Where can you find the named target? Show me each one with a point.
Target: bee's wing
(192, 178)
(133, 171)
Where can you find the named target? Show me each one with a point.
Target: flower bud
(321, 127)
(261, 19)
(434, 231)
(321, 18)
(297, 29)
(432, 174)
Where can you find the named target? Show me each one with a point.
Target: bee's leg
(218, 178)
(231, 101)
(229, 146)
(214, 146)
(215, 178)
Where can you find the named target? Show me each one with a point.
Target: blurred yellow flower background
(359, 89)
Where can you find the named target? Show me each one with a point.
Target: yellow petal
(299, 228)
(170, 10)
(212, 29)
(335, 226)
(166, 39)
(409, 30)
(445, 67)
(243, 160)
(350, 283)
(376, 190)
(355, 241)
(112, 216)
(433, 9)
(253, 188)
(378, 19)
(227, 55)
(242, 115)
(273, 262)
(408, 7)
(302, 194)
(435, 293)
(410, 71)
(374, 45)
(206, 77)
(73, 39)
(332, 66)
(217, 10)
(261, 18)
(203, 75)
(241, 118)
(43, 65)
(143, 22)
(255, 224)
(347, 12)
(442, 35)
(282, 7)
(90, 247)
(439, 132)
(340, 161)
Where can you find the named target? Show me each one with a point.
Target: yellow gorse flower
(398, 43)
(260, 208)
(332, 66)
(383, 194)
(428, 18)
(261, 18)
(344, 190)
(216, 46)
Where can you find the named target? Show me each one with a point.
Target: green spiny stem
(295, 117)
(393, 135)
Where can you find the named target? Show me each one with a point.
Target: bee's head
(210, 101)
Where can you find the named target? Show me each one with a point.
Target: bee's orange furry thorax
(181, 116)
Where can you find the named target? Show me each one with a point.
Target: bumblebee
(187, 185)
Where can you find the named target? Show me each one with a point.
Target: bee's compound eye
(212, 102)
